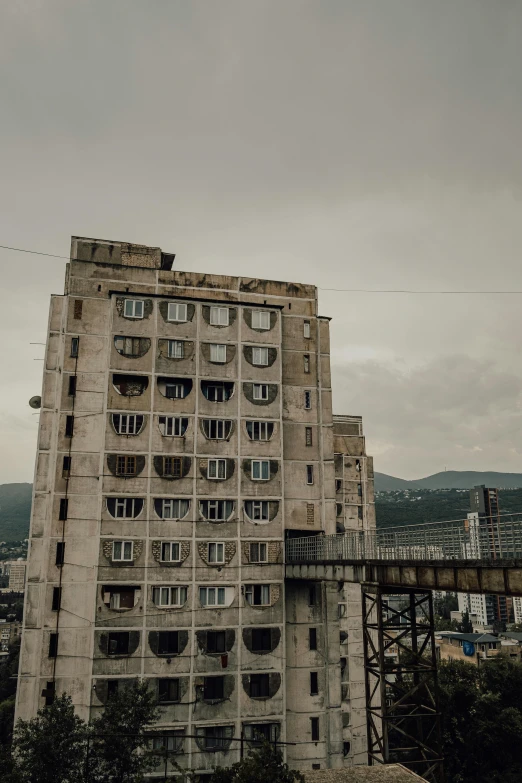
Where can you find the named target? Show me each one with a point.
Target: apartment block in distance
(186, 431)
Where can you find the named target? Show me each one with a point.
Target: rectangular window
(122, 551)
(312, 595)
(309, 474)
(218, 353)
(171, 742)
(168, 643)
(260, 470)
(261, 639)
(176, 311)
(112, 688)
(216, 553)
(308, 400)
(64, 507)
(78, 307)
(216, 642)
(133, 308)
(257, 595)
(308, 436)
(176, 349)
(257, 509)
(49, 693)
(306, 329)
(69, 426)
(314, 684)
(53, 645)
(312, 638)
(260, 430)
(217, 469)
(260, 319)
(259, 686)
(168, 691)
(60, 553)
(125, 465)
(212, 596)
(260, 356)
(359, 490)
(170, 552)
(118, 643)
(172, 426)
(215, 429)
(260, 391)
(259, 552)
(217, 510)
(172, 467)
(213, 688)
(314, 727)
(216, 737)
(66, 467)
(75, 347)
(128, 346)
(219, 316)
(57, 598)
(72, 385)
(126, 508)
(306, 362)
(174, 391)
(127, 424)
(169, 596)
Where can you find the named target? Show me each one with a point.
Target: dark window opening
(213, 688)
(64, 507)
(172, 467)
(53, 645)
(69, 426)
(72, 385)
(259, 686)
(78, 307)
(217, 391)
(312, 638)
(130, 385)
(312, 595)
(314, 725)
(118, 643)
(346, 748)
(216, 642)
(112, 688)
(57, 598)
(261, 639)
(125, 465)
(338, 485)
(66, 467)
(168, 691)
(60, 552)
(49, 693)
(75, 346)
(168, 643)
(314, 684)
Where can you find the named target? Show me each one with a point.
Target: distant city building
(470, 647)
(8, 633)
(15, 570)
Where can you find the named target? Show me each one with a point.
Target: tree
(263, 765)
(118, 738)
(443, 607)
(465, 626)
(50, 747)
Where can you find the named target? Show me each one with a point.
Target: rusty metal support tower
(400, 664)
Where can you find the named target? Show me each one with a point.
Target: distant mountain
(15, 511)
(450, 479)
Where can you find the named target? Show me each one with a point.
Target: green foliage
(465, 626)
(262, 765)
(482, 720)
(15, 511)
(443, 607)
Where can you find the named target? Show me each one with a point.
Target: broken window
(312, 638)
(53, 645)
(130, 385)
(60, 553)
(121, 596)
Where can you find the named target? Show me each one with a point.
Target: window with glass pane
(172, 426)
(176, 349)
(308, 400)
(216, 737)
(258, 552)
(129, 346)
(257, 595)
(122, 550)
(216, 642)
(306, 329)
(257, 509)
(125, 465)
(260, 391)
(260, 430)
(169, 596)
(125, 424)
(261, 639)
(212, 596)
(309, 474)
(168, 643)
(260, 469)
(176, 311)
(174, 391)
(219, 316)
(168, 690)
(171, 508)
(260, 356)
(133, 308)
(260, 319)
(306, 361)
(259, 686)
(172, 467)
(218, 353)
(217, 469)
(216, 510)
(124, 508)
(308, 436)
(216, 553)
(216, 429)
(170, 551)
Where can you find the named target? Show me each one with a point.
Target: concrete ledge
(385, 773)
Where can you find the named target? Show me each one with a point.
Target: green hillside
(450, 479)
(15, 511)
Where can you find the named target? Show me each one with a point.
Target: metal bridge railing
(476, 538)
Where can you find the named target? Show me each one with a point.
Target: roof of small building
(382, 773)
(516, 635)
(469, 637)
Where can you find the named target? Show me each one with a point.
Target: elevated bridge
(479, 555)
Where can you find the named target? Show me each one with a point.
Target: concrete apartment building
(15, 570)
(186, 430)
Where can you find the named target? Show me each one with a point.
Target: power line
(320, 288)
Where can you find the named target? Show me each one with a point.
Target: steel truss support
(401, 680)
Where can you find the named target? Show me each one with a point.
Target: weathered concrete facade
(186, 429)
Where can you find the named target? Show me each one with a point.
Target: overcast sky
(343, 143)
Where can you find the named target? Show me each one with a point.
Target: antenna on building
(35, 402)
